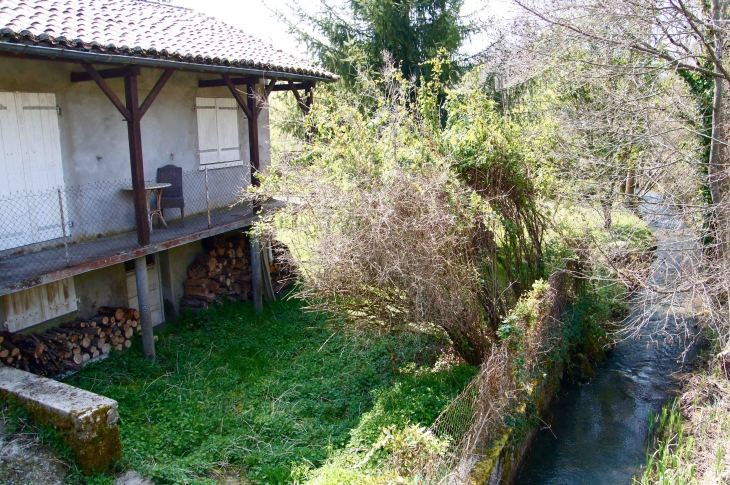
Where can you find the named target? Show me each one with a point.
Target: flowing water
(597, 431)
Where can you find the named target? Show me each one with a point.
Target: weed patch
(264, 394)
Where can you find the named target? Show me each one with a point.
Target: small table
(153, 188)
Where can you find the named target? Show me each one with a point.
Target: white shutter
(155, 296)
(207, 130)
(12, 179)
(30, 307)
(42, 162)
(31, 162)
(229, 146)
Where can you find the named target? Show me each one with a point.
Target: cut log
(10, 347)
(101, 320)
(117, 313)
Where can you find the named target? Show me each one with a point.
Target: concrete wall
(174, 271)
(106, 286)
(94, 146)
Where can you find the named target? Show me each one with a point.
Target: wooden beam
(107, 90)
(292, 86)
(301, 103)
(134, 131)
(239, 81)
(155, 91)
(267, 93)
(239, 99)
(117, 72)
(221, 83)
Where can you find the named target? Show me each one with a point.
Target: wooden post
(257, 296)
(253, 141)
(134, 130)
(143, 297)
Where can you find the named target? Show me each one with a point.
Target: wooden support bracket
(96, 77)
(237, 94)
(117, 72)
(155, 91)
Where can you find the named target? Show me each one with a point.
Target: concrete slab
(87, 421)
(132, 478)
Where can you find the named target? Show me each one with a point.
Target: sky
(255, 17)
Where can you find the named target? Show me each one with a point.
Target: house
(95, 97)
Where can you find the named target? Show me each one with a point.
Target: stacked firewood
(70, 345)
(225, 270)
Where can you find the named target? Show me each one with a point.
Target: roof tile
(152, 29)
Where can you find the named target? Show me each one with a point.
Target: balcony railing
(45, 231)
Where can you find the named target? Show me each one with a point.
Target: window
(218, 130)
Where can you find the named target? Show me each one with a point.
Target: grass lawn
(233, 392)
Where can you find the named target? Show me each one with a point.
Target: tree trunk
(715, 169)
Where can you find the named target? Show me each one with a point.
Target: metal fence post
(207, 196)
(143, 299)
(63, 227)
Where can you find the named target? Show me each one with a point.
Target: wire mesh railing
(50, 229)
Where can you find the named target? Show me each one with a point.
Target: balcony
(49, 235)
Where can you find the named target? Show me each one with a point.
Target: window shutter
(30, 161)
(227, 111)
(207, 130)
(36, 305)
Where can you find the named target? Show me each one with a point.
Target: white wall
(94, 143)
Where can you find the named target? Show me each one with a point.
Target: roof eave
(75, 56)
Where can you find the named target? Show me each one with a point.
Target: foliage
(392, 231)
(352, 38)
(232, 391)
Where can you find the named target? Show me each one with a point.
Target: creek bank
(569, 321)
(598, 430)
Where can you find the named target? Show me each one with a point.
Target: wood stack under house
(128, 129)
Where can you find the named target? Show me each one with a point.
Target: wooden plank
(155, 91)
(116, 72)
(107, 90)
(134, 132)
(236, 94)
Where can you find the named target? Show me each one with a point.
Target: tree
(351, 37)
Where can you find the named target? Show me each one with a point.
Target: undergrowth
(232, 392)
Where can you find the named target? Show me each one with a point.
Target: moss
(482, 471)
(94, 447)
(95, 453)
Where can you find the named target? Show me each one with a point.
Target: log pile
(224, 270)
(69, 346)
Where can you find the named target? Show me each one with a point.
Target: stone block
(87, 421)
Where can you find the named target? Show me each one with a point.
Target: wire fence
(51, 229)
(474, 420)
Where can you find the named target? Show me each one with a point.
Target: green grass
(670, 462)
(231, 390)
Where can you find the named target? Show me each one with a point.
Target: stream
(597, 431)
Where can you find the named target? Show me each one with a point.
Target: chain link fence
(46, 231)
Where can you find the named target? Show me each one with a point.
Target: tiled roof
(143, 28)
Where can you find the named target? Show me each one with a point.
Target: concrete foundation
(87, 421)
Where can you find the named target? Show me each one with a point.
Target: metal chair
(172, 197)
